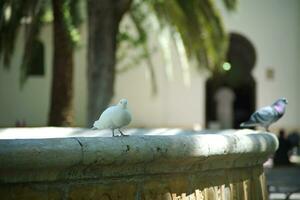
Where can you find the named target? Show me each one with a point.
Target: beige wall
(271, 25)
(30, 103)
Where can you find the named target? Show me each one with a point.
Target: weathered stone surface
(171, 164)
(121, 190)
(92, 157)
(22, 154)
(29, 192)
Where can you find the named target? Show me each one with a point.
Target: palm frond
(72, 19)
(199, 26)
(12, 11)
(230, 4)
(139, 40)
(30, 14)
(32, 29)
(141, 30)
(195, 26)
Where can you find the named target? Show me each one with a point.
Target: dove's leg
(267, 129)
(122, 133)
(113, 132)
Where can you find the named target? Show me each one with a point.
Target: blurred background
(189, 65)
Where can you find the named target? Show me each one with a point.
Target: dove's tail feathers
(248, 124)
(98, 125)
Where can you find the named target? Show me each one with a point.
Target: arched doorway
(236, 76)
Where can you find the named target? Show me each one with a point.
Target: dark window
(36, 62)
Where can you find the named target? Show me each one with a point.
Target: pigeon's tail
(248, 124)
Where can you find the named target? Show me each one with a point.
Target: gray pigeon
(114, 117)
(267, 115)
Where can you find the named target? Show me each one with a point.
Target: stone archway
(236, 76)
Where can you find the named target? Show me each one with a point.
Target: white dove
(114, 117)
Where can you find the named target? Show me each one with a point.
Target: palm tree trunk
(103, 22)
(61, 105)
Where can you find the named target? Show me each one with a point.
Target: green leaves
(200, 28)
(230, 4)
(194, 23)
(72, 19)
(195, 27)
(32, 15)
(197, 22)
(11, 13)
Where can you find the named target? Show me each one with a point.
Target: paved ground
(284, 182)
(280, 196)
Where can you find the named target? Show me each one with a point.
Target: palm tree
(30, 13)
(61, 108)
(195, 22)
(104, 17)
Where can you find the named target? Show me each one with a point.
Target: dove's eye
(122, 102)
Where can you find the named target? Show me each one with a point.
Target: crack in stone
(81, 148)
